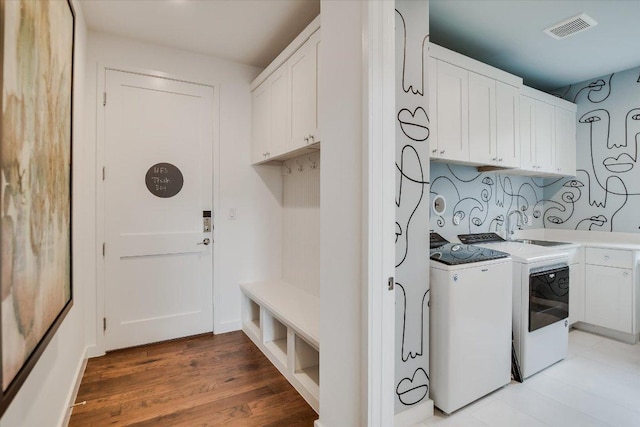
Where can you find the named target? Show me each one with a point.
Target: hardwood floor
(204, 380)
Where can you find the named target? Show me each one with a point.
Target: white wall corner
(73, 392)
(414, 415)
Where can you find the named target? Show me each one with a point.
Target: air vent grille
(571, 26)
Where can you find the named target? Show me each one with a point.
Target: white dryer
(470, 323)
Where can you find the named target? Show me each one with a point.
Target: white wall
(301, 222)
(44, 396)
(341, 289)
(249, 247)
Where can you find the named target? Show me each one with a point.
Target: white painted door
(528, 134)
(609, 297)
(482, 119)
(158, 272)
(545, 137)
(303, 93)
(507, 125)
(565, 141)
(261, 122)
(452, 104)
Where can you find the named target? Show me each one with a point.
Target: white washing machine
(470, 323)
(540, 300)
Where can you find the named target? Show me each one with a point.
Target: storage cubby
(307, 365)
(251, 318)
(283, 321)
(274, 335)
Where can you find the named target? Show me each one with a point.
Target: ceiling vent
(571, 26)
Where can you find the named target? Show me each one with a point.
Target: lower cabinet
(609, 297)
(576, 293)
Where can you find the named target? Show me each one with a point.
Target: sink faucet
(509, 229)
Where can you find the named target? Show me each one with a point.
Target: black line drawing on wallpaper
(412, 158)
(599, 91)
(475, 210)
(408, 353)
(412, 209)
(415, 125)
(412, 390)
(588, 223)
(496, 223)
(410, 54)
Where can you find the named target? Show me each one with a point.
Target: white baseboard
(73, 393)
(94, 351)
(225, 327)
(414, 415)
(317, 423)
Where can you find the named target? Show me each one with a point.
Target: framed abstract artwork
(36, 77)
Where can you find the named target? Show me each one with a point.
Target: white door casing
(158, 278)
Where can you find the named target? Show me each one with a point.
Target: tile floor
(598, 384)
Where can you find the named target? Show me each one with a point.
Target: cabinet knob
(311, 139)
(435, 151)
(442, 152)
(494, 159)
(306, 139)
(500, 159)
(625, 274)
(268, 154)
(606, 257)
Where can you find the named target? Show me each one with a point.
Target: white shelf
(286, 332)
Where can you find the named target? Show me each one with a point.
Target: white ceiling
(251, 32)
(509, 35)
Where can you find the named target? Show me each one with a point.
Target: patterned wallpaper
(605, 194)
(480, 202)
(412, 205)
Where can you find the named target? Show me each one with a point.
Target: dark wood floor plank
(204, 380)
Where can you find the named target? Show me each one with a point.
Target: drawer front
(609, 257)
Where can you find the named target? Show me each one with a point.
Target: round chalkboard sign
(164, 180)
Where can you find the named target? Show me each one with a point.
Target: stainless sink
(541, 242)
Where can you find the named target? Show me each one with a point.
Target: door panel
(158, 274)
(508, 125)
(482, 119)
(452, 103)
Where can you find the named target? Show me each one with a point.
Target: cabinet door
(261, 122)
(527, 133)
(303, 95)
(279, 117)
(482, 119)
(576, 293)
(545, 137)
(452, 89)
(565, 122)
(507, 125)
(608, 296)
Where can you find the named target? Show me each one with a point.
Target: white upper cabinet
(474, 111)
(484, 116)
(547, 134)
(451, 112)
(303, 94)
(285, 101)
(565, 141)
(261, 123)
(507, 125)
(482, 119)
(269, 110)
(545, 138)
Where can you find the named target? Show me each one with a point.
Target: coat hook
(299, 166)
(287, 169)
(313, 164)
